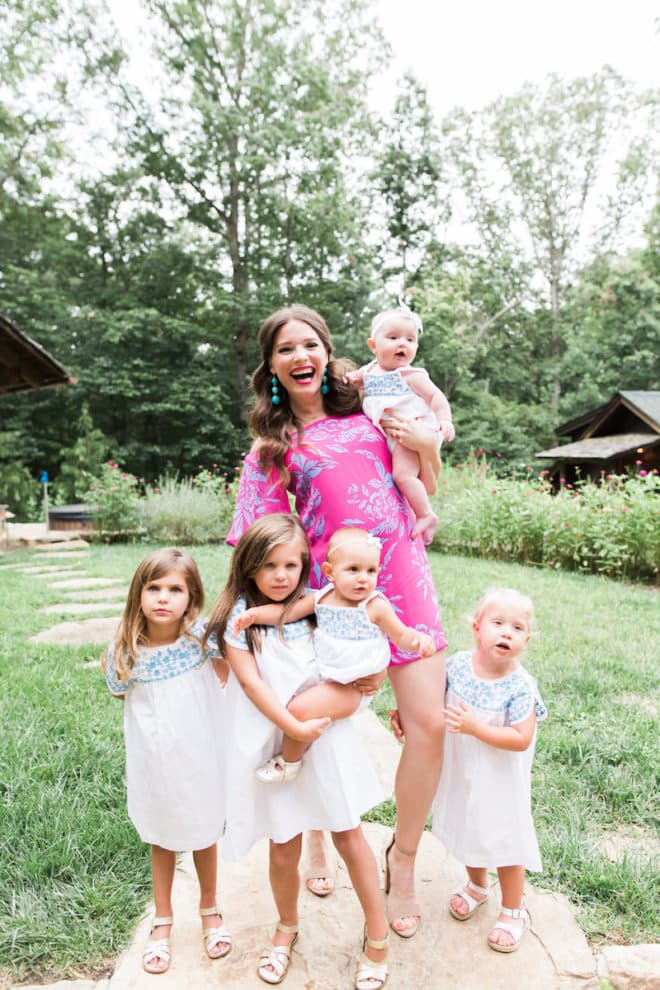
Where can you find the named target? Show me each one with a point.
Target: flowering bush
(190, 510)
(611, 528)
(115, 496)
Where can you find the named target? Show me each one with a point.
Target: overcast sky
(468, 52)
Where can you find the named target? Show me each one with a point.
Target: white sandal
(277, 957)
(213, 937)
(278, 771)
(157, 948)
(516, 914)
(370, 975)
(472, 903)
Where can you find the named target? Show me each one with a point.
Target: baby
(389, 382)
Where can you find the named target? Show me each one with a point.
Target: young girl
(390, 382)
(355, 624)
(337, 783)
(174, 760)
(482, 809)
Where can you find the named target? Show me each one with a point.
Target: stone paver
(86, 583)
(46, 570)
(78, 608)
(79, 633)
(94, 594)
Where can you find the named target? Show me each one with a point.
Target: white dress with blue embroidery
(337, 782)
(482, 809)
(348, 644)
(389, 390)
(173, 732)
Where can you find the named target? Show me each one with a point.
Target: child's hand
(311, 729)
(424, 645)
(241, 622)
(461, 718)
(353, 378)
(395, 722)
(446, 430)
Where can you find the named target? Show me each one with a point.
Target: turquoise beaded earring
(325, 388)
(274, 391)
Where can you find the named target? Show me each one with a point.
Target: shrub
(191, 510)
(115, 497)
(611, 528)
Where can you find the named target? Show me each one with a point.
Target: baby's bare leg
(405, 468)
(326, 700)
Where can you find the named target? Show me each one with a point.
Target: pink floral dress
(341, 475)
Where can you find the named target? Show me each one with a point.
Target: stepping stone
(45, 571)
(79, 633)
(78, 608)
(51, 543)
(445, 953)
(61, 555)
(87, 583)
(93, 594)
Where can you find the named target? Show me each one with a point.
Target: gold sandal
(399, 907)
(218, 935)
(370, 975)
(157, 948)
(277, 957)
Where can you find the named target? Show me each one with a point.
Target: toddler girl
(354, 626)
(173, 749)
(482, 809)
(389, 382)
(337, 783)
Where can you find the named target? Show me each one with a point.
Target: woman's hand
(369, 685)
(415, 435)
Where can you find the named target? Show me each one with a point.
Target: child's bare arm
(270, 615)
(412, 640)
(244, 667)
(461, 719)
(422, 385)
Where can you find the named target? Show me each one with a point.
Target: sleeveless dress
(482, 809)
(349, 645)
(337, 782)
(173, 732)
(389, 390)
(341, 475)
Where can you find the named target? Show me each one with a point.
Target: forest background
(147, 228)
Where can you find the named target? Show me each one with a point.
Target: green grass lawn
(74, 877)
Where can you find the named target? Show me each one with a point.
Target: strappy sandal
(516, 914)
(400, 907)
(318, 868)
(157, 948)
(277, 957)
(218, 935)
(370, 975)
(278, 771)
(472, 903)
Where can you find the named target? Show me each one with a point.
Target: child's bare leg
(479, 877)
(405, 469)
(284, 858)
(326, 700)
(512, 886)
(360, 862)
(163, 862)
(206, 866)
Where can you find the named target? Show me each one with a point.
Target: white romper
(337, 782)
(482, 809)
(388, 390)
(173, 732)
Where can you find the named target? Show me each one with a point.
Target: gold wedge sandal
(399, 907)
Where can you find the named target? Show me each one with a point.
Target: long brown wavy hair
(274, 425)
(249, 555)
(132, 630)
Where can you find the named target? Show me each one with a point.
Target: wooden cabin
(621, 436)
(24, 364)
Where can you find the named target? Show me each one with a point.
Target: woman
(313, 440)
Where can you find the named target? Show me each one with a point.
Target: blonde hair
(131, 633)
(250, 554)
(274, 424)
(397, 315)
(516, 598)
(348, 536)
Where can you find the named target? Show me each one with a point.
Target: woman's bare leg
(319, 864)
(419, 688)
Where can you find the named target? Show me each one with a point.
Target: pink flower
(480, 451)
(638, 463)
(643, 474)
